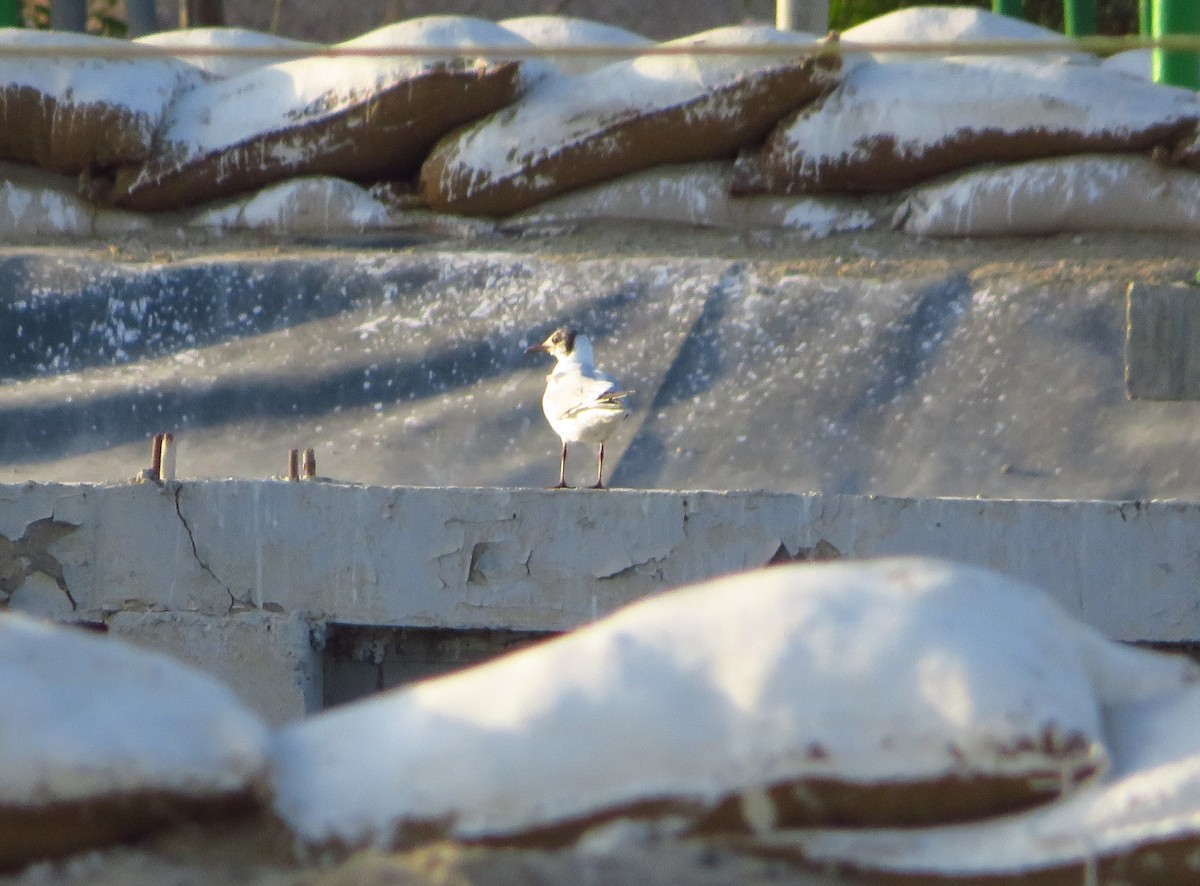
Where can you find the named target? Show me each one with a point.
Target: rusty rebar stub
(309, 471)
(156, 456)
(167, 453)
(293, 469)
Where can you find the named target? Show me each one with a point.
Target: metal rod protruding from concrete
(309, 472)
(785, 15)
(293, 470)
(167, 452)
(802, 15)
(156, 457)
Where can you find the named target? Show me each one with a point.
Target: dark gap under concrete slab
(1189, 648)
(361, 660)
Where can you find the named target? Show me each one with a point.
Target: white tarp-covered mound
(944, 24)
(496, 138)
(360, 117)
(101, 741)
(36, 203)
(194, 46)
(309, 205)
(624, 117)
(1090, 193)
(77, 113)
(903, 717)
(902, 691)
(562, 30)
(892, 124)
(1140, 824)
(698, 194)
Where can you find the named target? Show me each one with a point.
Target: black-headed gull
(582, 404)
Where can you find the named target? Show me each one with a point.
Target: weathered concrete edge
(532, 559)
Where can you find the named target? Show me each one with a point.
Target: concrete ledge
(269, 660)
(539, 560)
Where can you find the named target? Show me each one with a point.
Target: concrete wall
(242, 577)
(541, 560)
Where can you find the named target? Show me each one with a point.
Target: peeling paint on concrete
(29, 556)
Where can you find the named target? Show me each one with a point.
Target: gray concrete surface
(405, 365)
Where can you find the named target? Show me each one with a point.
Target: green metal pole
(1171, 67)
(1011, 8)
(1079, 18)
(1145, 18)
(10, 14)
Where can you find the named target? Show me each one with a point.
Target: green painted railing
(1170, 66)
(10, 13)
(1156, 18)
(1079, 17)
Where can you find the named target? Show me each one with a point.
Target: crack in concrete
(196, 553)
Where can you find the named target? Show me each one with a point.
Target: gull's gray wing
(570, 392)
